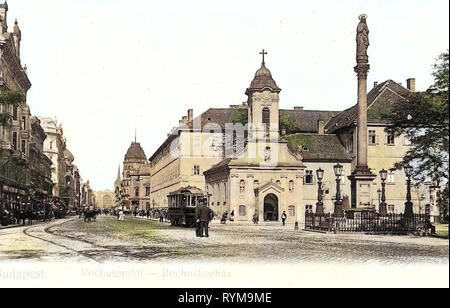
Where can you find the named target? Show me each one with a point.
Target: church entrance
(271, 208)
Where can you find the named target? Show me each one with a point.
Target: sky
(106, 68)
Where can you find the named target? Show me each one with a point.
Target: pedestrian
(203, 215)
(30, 217)
(256, 218)
(283, 218)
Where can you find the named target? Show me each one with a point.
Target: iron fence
(367, 223)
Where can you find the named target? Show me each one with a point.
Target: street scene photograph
(239, 144)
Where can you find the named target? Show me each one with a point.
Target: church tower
(263, 106)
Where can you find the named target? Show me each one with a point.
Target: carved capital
(362, 70)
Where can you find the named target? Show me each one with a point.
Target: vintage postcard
(224, 144)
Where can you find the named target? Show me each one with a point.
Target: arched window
(266, 116)
(267, 154)
(266, 120)
(291, 186)
(278, 182)
(242, 186)
(292, 211)
(242, 210)
(255, 184)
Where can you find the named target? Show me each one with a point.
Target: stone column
(362, 178)
(362, 70)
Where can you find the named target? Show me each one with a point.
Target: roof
(189, 190)
(378, 100)
(306, 119)
(316, 147)
(263, 81)
(135, 152)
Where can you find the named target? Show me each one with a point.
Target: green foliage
(289, 123)
(294, 141)
(240, 116)
(443, 203)
(424, 119)
(9, 98)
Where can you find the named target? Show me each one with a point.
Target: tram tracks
(48, 230)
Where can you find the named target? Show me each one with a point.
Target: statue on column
(362, 39)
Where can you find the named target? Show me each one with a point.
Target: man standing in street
(283, 218)
(203, 215)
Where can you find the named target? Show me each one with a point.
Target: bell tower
(263, 105)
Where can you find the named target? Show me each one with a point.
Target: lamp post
(383, 205)
(319, 204)
(338, 211)
(409, 211)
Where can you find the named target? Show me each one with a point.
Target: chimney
(321, 127)
(190, 115)
(298, 108)
(411, 84)
(375, 84)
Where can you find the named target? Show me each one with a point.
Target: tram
(182, 204)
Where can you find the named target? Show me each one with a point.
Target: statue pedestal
(362, 181)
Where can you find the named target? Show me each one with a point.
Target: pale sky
(105, 68)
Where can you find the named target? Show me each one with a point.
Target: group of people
(27, 214)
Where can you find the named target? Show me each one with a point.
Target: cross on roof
(263, 53)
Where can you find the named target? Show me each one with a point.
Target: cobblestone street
(144, 240)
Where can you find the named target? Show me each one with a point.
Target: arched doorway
(271, 208)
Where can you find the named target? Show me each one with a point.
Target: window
(342, 177)
(266, 120)
(372, 137)
(309, 209)
(24, 123)
(390, 138)
(291, 186)
(136, 192)
(147, 191)
(242, 186)
(24, 147)
(278, 182)
(390, 178)
(291, 211)
(196, 170)
(242, 210)
(255, 184)
(309, 177)
(14, 141)
(15, 113)
(267, 154)
(51, 145)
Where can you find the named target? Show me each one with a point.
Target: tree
(424, 120)
(289, 123)
(240, 115)
(7, 99)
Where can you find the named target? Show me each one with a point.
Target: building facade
(135, 183)
(105, 199)
(15, 171)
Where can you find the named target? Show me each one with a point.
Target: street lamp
(409, 211)
(338, 211)
(383, 205)
(319, 204)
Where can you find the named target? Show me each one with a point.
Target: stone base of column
(383, 209)
(409, 209)
(362, 181)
